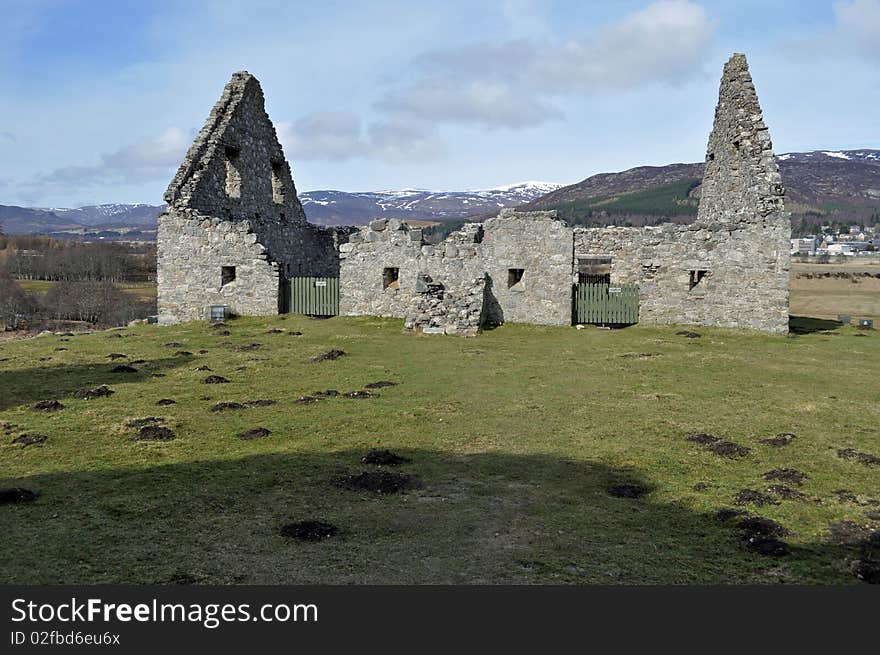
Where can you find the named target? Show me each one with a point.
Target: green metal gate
(606, 304)
(315, 296)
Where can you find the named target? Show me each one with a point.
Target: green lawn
(516, 436)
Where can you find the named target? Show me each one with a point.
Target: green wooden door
(604, 304)
(315, 296)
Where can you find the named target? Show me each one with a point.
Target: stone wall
(233, 203)
(475, 262)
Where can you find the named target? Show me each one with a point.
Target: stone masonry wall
(233, 202)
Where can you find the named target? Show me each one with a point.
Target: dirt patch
(154, 433)
(204, 369)
(30, 439)
(16, 495)
(275, 331)
(139, 361)
(781, 439)
(862, 458)
(868, 570)
(762, 536)
(248, 347)
(218, 325)
(309, 530)
(873, 514)
(215, 379)
(123, 368)
(116, 356)
(141, 422)
(173, 344)
(260, 402)
(254, 433)
(727, 449)
(183, 353)
(328, 356)
(98, 392)
(728, 513)
(787, 493)
(329, 393)
(360, 394)
(703, 438)
(165, 401)
(295, 334)
(48, 406)
(60, 350)
(702, 486)
(203, 352)
(792, 476)
(381, 384)
(848, 533)
(222, 333)
(688, 334)
(639, 355)
(627, 491)
(752, 497)
(306, 400)
(381, 482)
(224, 406)
(384, 458)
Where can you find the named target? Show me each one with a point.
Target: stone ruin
(233, 206)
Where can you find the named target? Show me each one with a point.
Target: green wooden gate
(315, 296)
(606, 304)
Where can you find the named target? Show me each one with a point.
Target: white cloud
(339, 136)
(515, 83)
(858, 26)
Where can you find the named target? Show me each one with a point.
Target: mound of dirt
(183, 353)
(116, 356)
(224, 406)
(787, 493)
(702, 486)
(862, 458)
(384, 458)
(204, 369)
(688, 334)
(260, 402)
(30, 439)
(48, 406)
(781, 439)
(215, 379)
(309, 530)
(248, 347)
(123, 368)
(848, 533)
(203, 352)
(703, 438)
(306, 400)
(295, 334)
(381, 482)
(627, 491)
(792, 476)
(727, 513)
(173, 344)
(727, 449)
(141, 422)
(166, 401)
(254, 433)
(218, 325)
(752, 497)
(868, 570)
(329, 393)
(381, 384)
(154, 433)
(328, 356)
(16, 495)
(98, 392)
(761, 536)
(275, 331)
(360, 394)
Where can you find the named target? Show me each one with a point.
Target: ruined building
(233, 206)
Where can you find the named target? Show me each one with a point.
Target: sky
(100, 100)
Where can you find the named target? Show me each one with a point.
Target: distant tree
(17, 308)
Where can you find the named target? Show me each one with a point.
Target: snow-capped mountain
(867, 156)
(347, 208)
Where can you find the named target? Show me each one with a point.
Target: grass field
(516, 436)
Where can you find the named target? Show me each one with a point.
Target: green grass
(515, 434)
(662, 201)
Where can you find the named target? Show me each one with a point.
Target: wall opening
(233, 172)
(695, 278)
(514, 277)
(594, 269)
(390, 278)
(277, 183)
(227, 275)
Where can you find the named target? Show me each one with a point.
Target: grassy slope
(516, 435)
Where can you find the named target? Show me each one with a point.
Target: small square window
(390, 278)
(514, 276)
(695, 278)
(227, 275)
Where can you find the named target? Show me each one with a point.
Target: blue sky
(100, 99)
